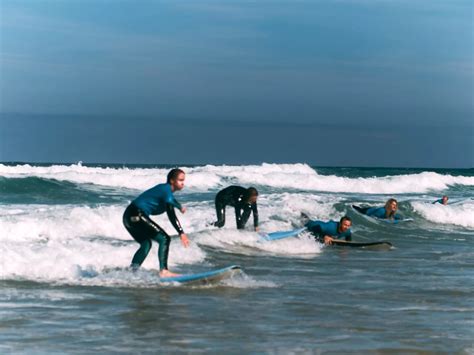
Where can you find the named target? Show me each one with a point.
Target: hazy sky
(327, 82)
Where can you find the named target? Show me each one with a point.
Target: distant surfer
(244, 202)
(389, 211)
(155, 201)
(326, 232)
(443, 200)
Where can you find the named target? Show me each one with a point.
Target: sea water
(65, 286)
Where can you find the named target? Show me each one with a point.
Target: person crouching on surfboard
(243, 200)
(326, 232)
(155, 201)
(389, 211)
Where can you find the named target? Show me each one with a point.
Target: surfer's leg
(160, 236)
(144, 230)
(163, 240)
(140, 231)
(141, 253)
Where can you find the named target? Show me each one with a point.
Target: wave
(459, 214)
(69, 242)
(211, 178)
(63, 241)
(35, 190)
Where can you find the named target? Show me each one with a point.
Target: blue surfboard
(204, 278)
(282, 234)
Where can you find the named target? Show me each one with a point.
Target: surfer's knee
(146, 245)
(163, 238)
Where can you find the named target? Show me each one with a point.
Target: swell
(37, 190)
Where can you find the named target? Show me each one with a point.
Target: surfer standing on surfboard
(155, 201)
(326, 232)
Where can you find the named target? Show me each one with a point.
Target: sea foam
(459, 214)
(210, 178)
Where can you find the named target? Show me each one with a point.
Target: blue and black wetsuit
(154, 201)
(440, 201)
(321, 229)
(236, 196)
(379, 212)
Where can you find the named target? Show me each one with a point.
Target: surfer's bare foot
(167, 273)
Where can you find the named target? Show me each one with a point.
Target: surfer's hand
(184, 240)
(183, 209)
(256, 229)
(328, 240)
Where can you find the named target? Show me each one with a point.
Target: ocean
(65, 286)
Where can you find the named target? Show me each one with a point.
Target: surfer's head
(444, 200)
(391, 207)
(251, 195)
(176, 179)
(344, 224)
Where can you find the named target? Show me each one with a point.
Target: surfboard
(380, 245)
(363, 211)
(282, 234)
(204, 278)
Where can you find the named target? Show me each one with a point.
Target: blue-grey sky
(326, 82)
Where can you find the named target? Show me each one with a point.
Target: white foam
(246, 281)
(68, 243)
(459, 214)
(57, 243)
(210, 177)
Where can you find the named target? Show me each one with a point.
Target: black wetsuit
(136, 219)
(235, 196)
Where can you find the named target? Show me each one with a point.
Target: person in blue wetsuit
(244, 202)
(389, 211)
(155, 201)
(326, 232)
(442, 201)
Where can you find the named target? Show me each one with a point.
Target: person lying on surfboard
(326, 232)
(389, 211)
(443, 200)
(243, 200)
(155, 201)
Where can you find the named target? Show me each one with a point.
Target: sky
(323, 82)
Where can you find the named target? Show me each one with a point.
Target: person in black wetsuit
(243, 200)
(155, 201)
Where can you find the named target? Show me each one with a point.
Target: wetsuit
(379, 212)
(136, 219)
(440, 201)
(235, 196)
(321, 229)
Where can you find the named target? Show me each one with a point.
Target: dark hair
(173, 174)
(345, 218)
(251, 191)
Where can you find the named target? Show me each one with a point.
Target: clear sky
(326, 82)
